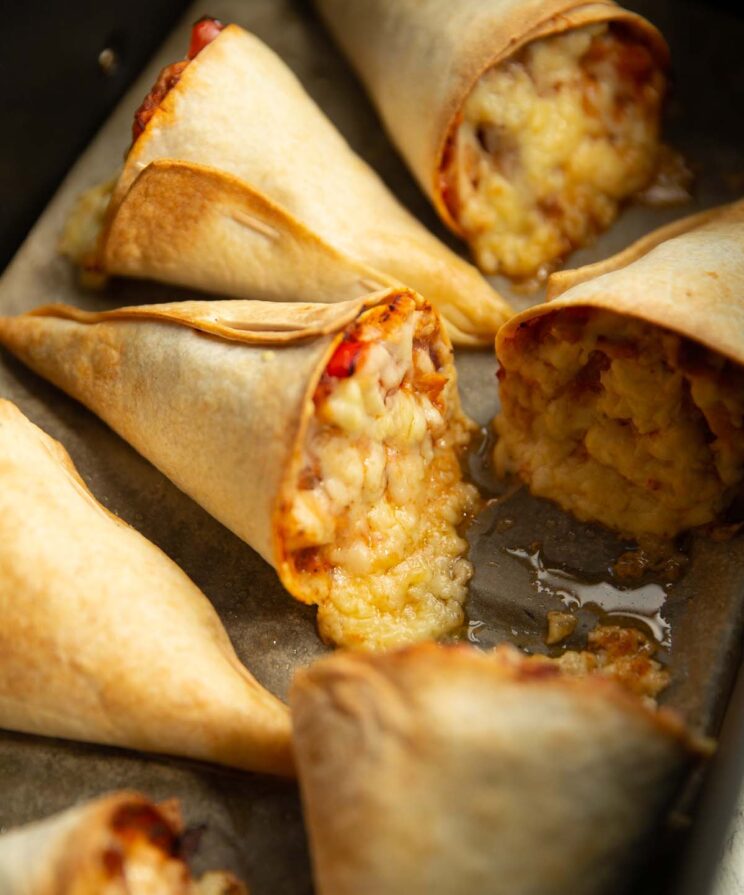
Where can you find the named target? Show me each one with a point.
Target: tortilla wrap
(677, 293)
(190, 224)
(445, 770)
(233, 402)
(117, 842)
(238, 110)
(420, 62)
(103, 638)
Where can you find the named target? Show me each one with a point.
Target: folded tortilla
(445, 770)
(102, 637)
(623, 397)
(243, 140)
(526, 122)
(325, 436)
(118, 844)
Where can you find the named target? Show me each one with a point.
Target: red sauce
(167, 79)
(203, 33)
(345, 359)
(133, 820)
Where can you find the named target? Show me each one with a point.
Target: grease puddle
(643, 603)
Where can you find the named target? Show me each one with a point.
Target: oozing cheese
(621, 422)
(373, 524)
(551, 141)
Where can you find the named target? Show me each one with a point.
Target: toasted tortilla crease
(249, 322)
(103, 638)
(446, 770)
(118, 840)
(654, 336)
(190, 224)
(242, 153)
(420, 60)
(225, 398)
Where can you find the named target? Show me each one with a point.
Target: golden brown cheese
(550, 142)
(373, 525)
(621, 422)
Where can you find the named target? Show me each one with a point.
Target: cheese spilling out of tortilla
(623, 396)
(326, 436)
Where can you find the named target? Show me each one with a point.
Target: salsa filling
(202, 33)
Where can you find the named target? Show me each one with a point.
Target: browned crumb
(560, 626)
(634, 564)
(623, 654)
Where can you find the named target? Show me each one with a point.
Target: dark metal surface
(254, 823)
(58, 85)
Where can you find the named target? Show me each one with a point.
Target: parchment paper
(253, 823)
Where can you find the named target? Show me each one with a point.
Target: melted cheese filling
(373, 524)
(132, 864)
(149, 871)
(621, 422)
(551, 141)
(82, 231)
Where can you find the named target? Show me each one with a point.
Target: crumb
(623, 654)
(560, 626)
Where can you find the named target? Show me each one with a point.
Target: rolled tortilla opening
(368, 527)
(246, 136)
(120, 844)
(527, 124)
(447, 770)
(623, 398)
(550, 143)
(326, 436)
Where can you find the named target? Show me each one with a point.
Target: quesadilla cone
(655, 368)
(196, 226)
(239, 110)
(325, 436)
(119, 842)
(102, 637)
(446, 770)
(421, 60)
